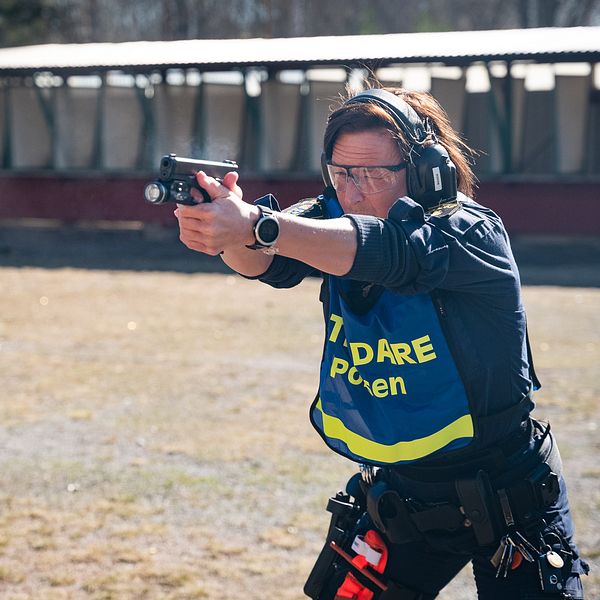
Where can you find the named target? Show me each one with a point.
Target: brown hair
(363, 116)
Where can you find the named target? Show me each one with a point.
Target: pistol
(177, 177)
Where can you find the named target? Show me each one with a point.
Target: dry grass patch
(150, 451)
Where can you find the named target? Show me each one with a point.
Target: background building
(83, 126)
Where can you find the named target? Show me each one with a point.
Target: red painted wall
(526, 207)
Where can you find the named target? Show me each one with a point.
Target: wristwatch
(266, 230)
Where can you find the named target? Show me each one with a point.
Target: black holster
(539, 490)
(345, 514)
(391, 514)
(322, 571)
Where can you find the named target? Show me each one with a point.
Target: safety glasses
(368, 180)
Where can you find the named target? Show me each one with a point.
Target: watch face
(267, 231)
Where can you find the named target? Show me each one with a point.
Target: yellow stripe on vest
(401, 451)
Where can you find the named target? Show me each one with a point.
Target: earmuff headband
(401, 111)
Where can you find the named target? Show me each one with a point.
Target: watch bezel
(265, 217)
(266, 214)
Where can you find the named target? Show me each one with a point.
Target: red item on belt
(369, 548)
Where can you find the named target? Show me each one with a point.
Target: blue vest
(389, 391)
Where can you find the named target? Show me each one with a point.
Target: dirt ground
(153, 416)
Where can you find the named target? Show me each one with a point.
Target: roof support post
(7, 149)
(48, 105)
(508, 119)
(252, 138)
(98, 148)
(303, 141)
(147, 130)
(502, 116)
(199, 122)
(592, 162)
(97, 161)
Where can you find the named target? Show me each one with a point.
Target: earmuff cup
(431, 177)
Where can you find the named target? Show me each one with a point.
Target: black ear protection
(430, 174)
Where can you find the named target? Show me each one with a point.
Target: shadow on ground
(543, 260)
(124, 247)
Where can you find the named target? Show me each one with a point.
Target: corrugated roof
(455, 47)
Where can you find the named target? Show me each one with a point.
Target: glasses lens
(370, 180)
(338, 176)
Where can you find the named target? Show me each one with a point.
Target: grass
(152, 450)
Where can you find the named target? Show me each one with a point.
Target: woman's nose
(352, 195)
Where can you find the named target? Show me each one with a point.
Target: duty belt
(474, 502)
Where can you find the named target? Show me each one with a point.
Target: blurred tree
(562, 13)
(25, 21)
(40, 21)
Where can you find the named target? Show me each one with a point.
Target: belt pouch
(391, 515)
(539, 490)
(479, 503)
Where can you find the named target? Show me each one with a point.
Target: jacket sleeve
(411, 252)
(284, 272)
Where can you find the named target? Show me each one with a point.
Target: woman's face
(374, 147)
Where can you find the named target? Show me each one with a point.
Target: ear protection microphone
(430, 174)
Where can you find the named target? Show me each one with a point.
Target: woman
(426, 380)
